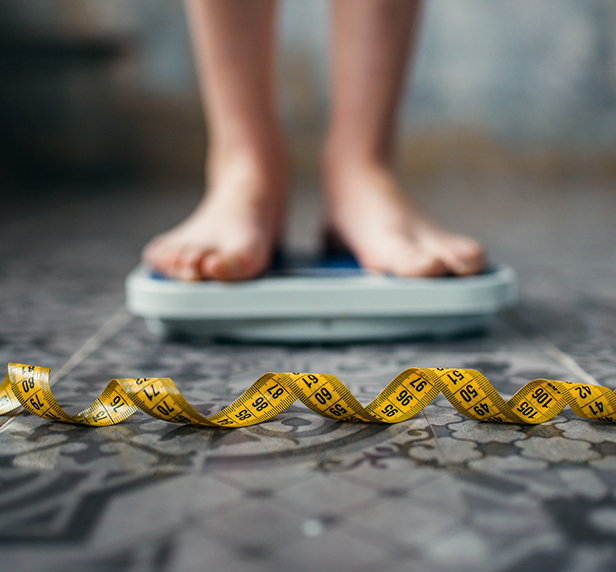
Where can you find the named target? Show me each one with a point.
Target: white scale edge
(315, 308)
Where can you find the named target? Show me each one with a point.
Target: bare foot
(232, 232)
(387, 233)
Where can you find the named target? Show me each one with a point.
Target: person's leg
(367, 209)
(232, 232)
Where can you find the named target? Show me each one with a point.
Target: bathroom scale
(304, 299)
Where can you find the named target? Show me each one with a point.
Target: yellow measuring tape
(467, 390)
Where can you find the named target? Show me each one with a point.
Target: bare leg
(231, 234)
(367, 209)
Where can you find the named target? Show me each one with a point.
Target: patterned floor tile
(436, 493)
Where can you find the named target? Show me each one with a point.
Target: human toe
(232, 266)
(162, 260)
(465, 256)
(418, 263)
(405, 260)
(151, 251)
(187, 264)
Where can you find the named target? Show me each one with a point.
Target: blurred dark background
(104, 90)
(96, 89)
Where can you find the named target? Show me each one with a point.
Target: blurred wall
(497, 84)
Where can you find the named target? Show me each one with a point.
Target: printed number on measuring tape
(466, 389)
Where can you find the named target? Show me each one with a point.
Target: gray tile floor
(436, 493)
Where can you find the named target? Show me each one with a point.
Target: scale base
(324, 330)
(320, 300)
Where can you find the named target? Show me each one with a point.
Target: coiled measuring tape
(466, 389)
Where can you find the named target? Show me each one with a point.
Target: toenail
(187, 274)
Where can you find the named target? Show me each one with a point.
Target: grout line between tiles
(438, 443)
(110, 328)
(550, 349)
(120, 319)
(565, 360)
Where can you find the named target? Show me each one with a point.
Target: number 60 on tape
(412, 390)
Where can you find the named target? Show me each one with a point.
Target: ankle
(354, 172)
(343, 162)
(266, 165)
